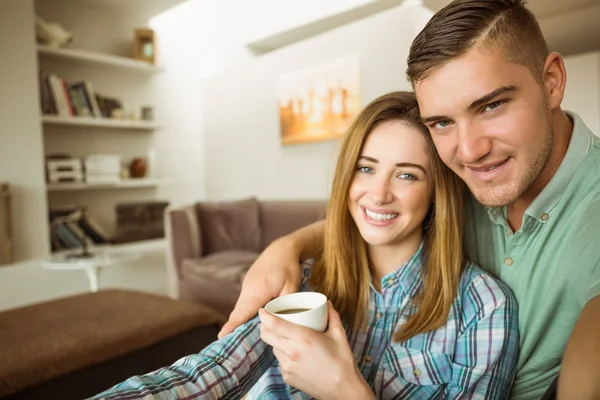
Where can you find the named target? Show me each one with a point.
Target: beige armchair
(211, 245)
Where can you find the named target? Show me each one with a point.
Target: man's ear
(554, 79)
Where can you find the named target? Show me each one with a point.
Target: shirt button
(544, 217)
(378, 315)
(390, 281)
(508, 261)
(368, 359)
(508, 232)
(417, 372)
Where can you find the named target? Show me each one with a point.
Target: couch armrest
(184, 240)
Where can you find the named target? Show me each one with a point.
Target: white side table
(100, 258)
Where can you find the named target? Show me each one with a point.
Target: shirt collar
(581, 142)
(408, 276)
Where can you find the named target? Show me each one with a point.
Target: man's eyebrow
(490, 96)
(474, 105)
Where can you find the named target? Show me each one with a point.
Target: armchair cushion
(215, 280)
(229, 266)
(229, 225)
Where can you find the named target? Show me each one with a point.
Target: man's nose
(473, 145)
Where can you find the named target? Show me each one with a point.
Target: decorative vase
(138, 168)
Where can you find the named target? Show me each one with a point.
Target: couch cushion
(279, 218)
(215, 280)
(229, 266)
(229, 225)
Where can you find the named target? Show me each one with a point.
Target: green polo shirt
(552, 263)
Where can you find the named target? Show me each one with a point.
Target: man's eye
(365, 170)
(441, 124)
(493, 106)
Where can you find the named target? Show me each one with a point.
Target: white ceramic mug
(315, 318)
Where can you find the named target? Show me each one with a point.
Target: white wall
(243, 155)
(21, 153)
(200, 39)
(582, 94)
(261, 18)
(573, 32)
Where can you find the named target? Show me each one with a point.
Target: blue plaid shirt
(473, 356)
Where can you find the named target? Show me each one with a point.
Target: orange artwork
(319, 103)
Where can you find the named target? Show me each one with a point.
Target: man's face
(490, 122)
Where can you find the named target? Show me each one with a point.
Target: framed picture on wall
(319, 103)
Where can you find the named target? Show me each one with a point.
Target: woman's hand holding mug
(319, 364)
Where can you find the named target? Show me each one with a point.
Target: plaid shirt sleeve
(484, 364)
(226, 369)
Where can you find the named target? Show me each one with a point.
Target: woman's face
(392, 189)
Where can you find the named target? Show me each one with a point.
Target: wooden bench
(78, 346)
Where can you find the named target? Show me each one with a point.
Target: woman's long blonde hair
(342, 271)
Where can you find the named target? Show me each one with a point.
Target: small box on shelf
(138, 221)
(144, 45)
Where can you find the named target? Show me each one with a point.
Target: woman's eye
(365, 170)
(407, 177)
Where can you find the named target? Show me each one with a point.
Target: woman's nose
(380, 191)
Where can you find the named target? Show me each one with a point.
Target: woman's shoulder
(485, 292)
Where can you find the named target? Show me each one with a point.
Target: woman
(415, 319)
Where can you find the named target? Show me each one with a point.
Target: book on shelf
(71, 227)
(77, 99)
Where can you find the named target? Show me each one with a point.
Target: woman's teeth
(380, 217)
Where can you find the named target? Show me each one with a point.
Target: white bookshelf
(85, 56)
(99, 122)
(123, 184)
(109, 73)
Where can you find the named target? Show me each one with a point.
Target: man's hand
(319, 364)
(579, 377)
(275, 273)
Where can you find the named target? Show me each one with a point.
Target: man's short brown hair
(506, 25)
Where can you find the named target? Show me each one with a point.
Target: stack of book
(70, 227)
(102, 168)
(77, 99)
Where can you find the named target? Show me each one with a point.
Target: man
(490, 92)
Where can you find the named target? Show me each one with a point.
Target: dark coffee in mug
(292, 310)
